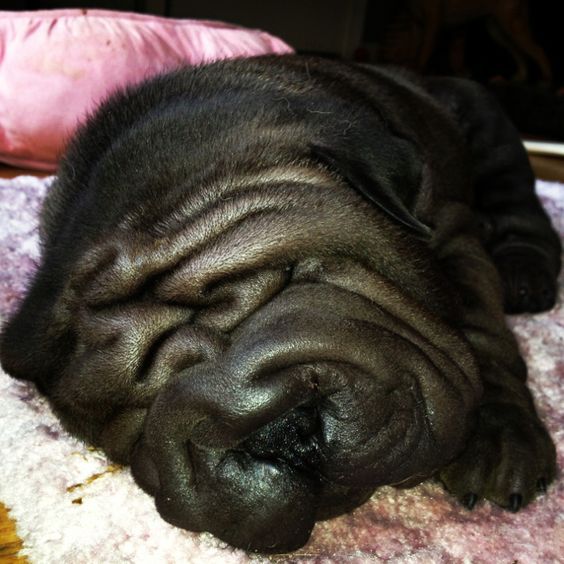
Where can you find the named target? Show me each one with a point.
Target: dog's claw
(515, 502)
(469, 500)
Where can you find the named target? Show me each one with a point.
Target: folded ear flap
(391, 188)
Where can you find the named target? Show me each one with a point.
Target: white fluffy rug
(72, 505)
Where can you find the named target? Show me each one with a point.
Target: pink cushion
(57, 65)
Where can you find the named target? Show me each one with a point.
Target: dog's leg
(509, 454)
(515, 229)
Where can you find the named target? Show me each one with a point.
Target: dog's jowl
(273, 285)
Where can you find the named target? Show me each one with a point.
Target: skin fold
(273, 285)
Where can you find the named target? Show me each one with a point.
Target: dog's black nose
(293, 438)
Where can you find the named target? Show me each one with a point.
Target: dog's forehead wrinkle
(295, 174)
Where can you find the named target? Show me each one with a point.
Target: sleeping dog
(273, 285)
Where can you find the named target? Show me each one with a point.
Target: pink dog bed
(57, 65)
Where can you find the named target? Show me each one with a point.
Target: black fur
(270, 286)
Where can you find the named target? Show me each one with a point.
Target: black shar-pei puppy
(273, 285)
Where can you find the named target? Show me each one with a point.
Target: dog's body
(269, 286)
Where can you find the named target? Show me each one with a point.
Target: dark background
(485, 57)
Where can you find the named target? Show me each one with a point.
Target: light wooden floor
(548, 168)
(10, 544)
(10, 172)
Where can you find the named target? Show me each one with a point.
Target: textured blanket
(72, 505)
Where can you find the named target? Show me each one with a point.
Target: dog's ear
(391, 190)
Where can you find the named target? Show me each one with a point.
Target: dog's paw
(508, 460)
(529, 280)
